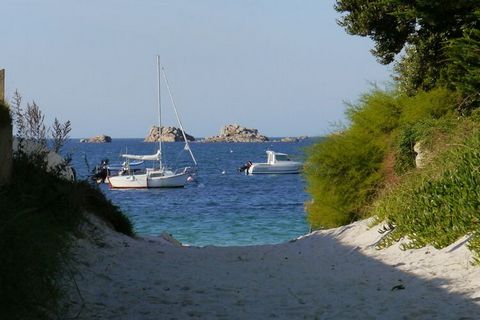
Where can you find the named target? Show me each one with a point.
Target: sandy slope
(333, 274)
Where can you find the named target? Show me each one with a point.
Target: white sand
(333, 274)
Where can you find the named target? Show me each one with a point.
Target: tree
(419, 27)
(463, 72)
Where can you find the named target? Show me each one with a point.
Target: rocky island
(237, 133)
(169, 134)
(292, 139)
(98, 139)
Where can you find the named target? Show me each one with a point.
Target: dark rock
(237, 133)
(169, 134)
(99, 139)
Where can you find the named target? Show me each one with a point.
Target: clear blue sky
(284, 67)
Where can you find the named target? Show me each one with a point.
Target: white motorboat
(277, 163)
(159, 176)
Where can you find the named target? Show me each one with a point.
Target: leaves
(60, 134)
(439, 205)
(463, 72)
(420, 28)
(344, 172)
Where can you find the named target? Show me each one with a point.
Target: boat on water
(102, 171)
(158, 176)
(277, 163)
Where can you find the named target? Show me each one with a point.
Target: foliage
(30, 126)
(433, 104)
(36, 223)
(421, 66)
(345, 170)
(39, 213)
(425, 117)
(60, 134)
(30, 123)
(463, 72)
(429, 132)
(17, 113)
(437, 81)
(439, 204)
(421, 27)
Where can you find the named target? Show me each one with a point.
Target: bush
(463, 71)
(441, 203)
(345, 170)
(433, 104)
(39, 213)
(432, 133)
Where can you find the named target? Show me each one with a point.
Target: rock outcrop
(169, 134)
(289, 139)
(237, 133)
(98, 139)
(292, 139)
(422, 155)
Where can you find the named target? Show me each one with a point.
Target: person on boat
(100, 172)
(245, 166)
(124, 170)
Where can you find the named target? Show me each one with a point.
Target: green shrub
(433, 104)
(441, 203)
(424, 116)
(475, 115)
(344, 171)
(463, 70)
(429, 131)
(91, 199)
(39, 213)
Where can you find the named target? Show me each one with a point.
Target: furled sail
(151, 157)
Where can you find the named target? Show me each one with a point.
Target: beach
(330, 274)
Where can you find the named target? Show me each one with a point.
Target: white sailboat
(159, 176)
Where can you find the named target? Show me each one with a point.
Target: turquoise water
(223, 207)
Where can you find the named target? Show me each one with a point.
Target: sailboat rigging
(159, 176)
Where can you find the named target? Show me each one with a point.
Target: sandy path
(334, 274)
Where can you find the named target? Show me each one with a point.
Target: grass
(440, 204)
(39, 213)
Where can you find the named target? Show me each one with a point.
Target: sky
(283, 67)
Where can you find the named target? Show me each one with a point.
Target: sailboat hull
(128, 181)
(170, 181)
(150, 180)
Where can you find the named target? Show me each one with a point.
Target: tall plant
(463, 73)
(29, 122)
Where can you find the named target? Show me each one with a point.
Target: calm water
(223, 207)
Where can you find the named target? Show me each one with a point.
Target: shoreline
(328, 274)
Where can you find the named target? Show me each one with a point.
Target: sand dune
(332, 274)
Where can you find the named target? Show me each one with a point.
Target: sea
(222, 207)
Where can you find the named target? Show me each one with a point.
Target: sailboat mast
(187, 145)
(159, 102)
